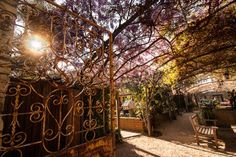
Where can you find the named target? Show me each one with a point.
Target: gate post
(8, 9)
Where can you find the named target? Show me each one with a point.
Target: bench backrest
(194, 121)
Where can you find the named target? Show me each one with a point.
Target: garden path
(177, 140)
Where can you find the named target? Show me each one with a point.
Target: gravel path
(177, 141)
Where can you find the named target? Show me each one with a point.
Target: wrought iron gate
(61, 90)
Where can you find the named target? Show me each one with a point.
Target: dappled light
(127, 77)
(177, 140)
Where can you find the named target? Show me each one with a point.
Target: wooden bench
(202, 130)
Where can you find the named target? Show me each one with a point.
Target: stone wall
(7, 20)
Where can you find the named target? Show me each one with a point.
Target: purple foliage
(139, 26)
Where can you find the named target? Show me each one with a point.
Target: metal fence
(61, 89)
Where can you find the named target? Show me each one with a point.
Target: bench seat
(202, 130)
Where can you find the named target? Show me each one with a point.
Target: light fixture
(36, 44)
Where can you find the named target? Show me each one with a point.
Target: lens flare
(36, 44)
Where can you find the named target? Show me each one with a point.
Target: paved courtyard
(177, 140)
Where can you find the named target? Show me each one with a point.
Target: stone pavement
(177, 140)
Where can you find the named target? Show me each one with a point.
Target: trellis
(61, 94)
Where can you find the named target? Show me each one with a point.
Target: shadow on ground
(181, 132)
(128, 150)
(177, 138)
(228, 136)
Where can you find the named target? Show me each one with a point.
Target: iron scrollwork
(56, 98)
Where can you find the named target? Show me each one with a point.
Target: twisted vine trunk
(148, 117)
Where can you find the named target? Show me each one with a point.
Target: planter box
(100, 147)
(131, 124)
(225, 117)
